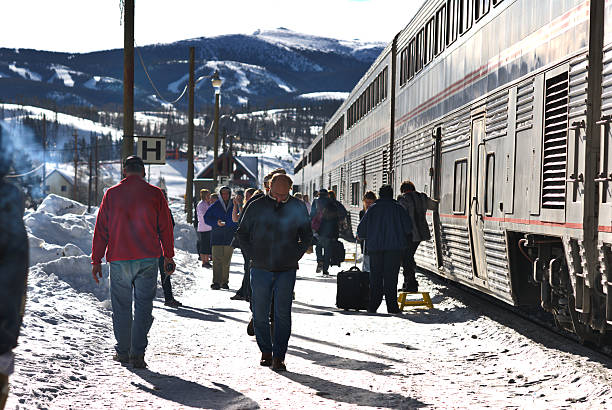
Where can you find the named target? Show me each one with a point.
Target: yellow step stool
(350, 257)
(424, 301)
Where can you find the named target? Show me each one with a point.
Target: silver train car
(502, 111)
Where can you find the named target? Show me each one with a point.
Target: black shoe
(238, 296)
(325, 273)
(410, 287)
(173, 303)
(225, 286)
(138, 362)
(278, 365)
(251, 328)
(215, 286)
(266, 359)
(121, 358)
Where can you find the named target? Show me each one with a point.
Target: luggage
(338, 254)
(353, 288)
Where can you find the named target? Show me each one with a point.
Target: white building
(59, 183)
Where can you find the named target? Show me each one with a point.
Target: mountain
(266, 68)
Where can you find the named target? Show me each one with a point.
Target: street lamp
(216, 83)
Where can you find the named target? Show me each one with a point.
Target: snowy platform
(458, 354)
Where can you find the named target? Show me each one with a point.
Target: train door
(477, 199)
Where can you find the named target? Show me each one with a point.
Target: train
(501, 110)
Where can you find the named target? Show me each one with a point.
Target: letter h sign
(152, 150)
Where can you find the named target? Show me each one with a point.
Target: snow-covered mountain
(267, 67)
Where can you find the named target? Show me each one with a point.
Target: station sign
(152, 150)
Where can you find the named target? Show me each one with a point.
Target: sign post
(152, 150)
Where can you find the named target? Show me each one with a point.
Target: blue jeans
(325, 249)
(266, 285)
(138, 278)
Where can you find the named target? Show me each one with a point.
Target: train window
(428, 42)
(385, 81)
(419, 52)
(460, 186)
(376, 96)
(355, 193)
(403, 66)
(440, 30)
(489, 183)
(367, 97)
(372, 97)
(466, 15)
(451, 21)
(411, 59)
(496, 2)
(482, 8)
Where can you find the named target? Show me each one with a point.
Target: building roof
(63, 175)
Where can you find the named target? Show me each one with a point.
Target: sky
(91, 25)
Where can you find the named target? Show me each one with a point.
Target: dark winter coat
(235, 241)
(221, 235)
(275, 235)
(14, 261)
(317, 204)
(329, 221)
(417, 204)
(385, 226)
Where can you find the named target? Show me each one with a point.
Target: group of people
(391, 231)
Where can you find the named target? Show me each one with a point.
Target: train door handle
(573, 178)
(606, 119)
(602, 178)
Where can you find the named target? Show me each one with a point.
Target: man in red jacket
(133, 220)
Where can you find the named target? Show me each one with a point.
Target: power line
(153, 85)
(27, 173)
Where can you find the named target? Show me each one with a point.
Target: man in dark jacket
(328, 233)
(318, 205)
(276, 232)
(386, 229)
(416, 204)
(219, 216)
(13, 275)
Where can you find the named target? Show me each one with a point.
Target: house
(59, 183)
(243, 170)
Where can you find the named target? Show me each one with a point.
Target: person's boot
(266, 359)
(251, 328)
(319, 267)
(121, 358)
(138, 362)
(215, 286)
(173, 303)
(278, 365)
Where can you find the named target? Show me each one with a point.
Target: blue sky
(88, 25)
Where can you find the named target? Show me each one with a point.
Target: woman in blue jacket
(219, 216)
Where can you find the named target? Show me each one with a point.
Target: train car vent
(555, 142)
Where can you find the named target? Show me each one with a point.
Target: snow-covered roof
(63, 174)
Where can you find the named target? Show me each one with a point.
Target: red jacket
(132, 221)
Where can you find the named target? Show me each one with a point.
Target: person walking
(416, 204)
(204, 230)
(244, 293)
(219, 217)
(133, 229)
(368, 199)
(386, 228)
(306, 200)
(14, 261)
(275, 231)
(165, 279)
(328, 233)
(316, 216)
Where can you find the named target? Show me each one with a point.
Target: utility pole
(96, 162)
(90, 178)
(189, 187)
(44, 141)
(127, 147)
(76, 164)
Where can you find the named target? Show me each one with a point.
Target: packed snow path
(463, 353)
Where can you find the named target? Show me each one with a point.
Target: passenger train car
(502, 111)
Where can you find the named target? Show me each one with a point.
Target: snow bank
(59, 205)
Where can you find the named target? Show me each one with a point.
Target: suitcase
(337, 254)
(353, 288)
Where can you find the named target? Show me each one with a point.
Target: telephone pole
(96, 162)
(76, 164)
(127, 147)
(44, 141)
(190, 126)
(90, 178)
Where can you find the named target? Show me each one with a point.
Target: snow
(180, 83)
(25, 73)
(63, 74)
(243, 74)
(324, 95)
(14, 113)
(292, 39)
(103, 83)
